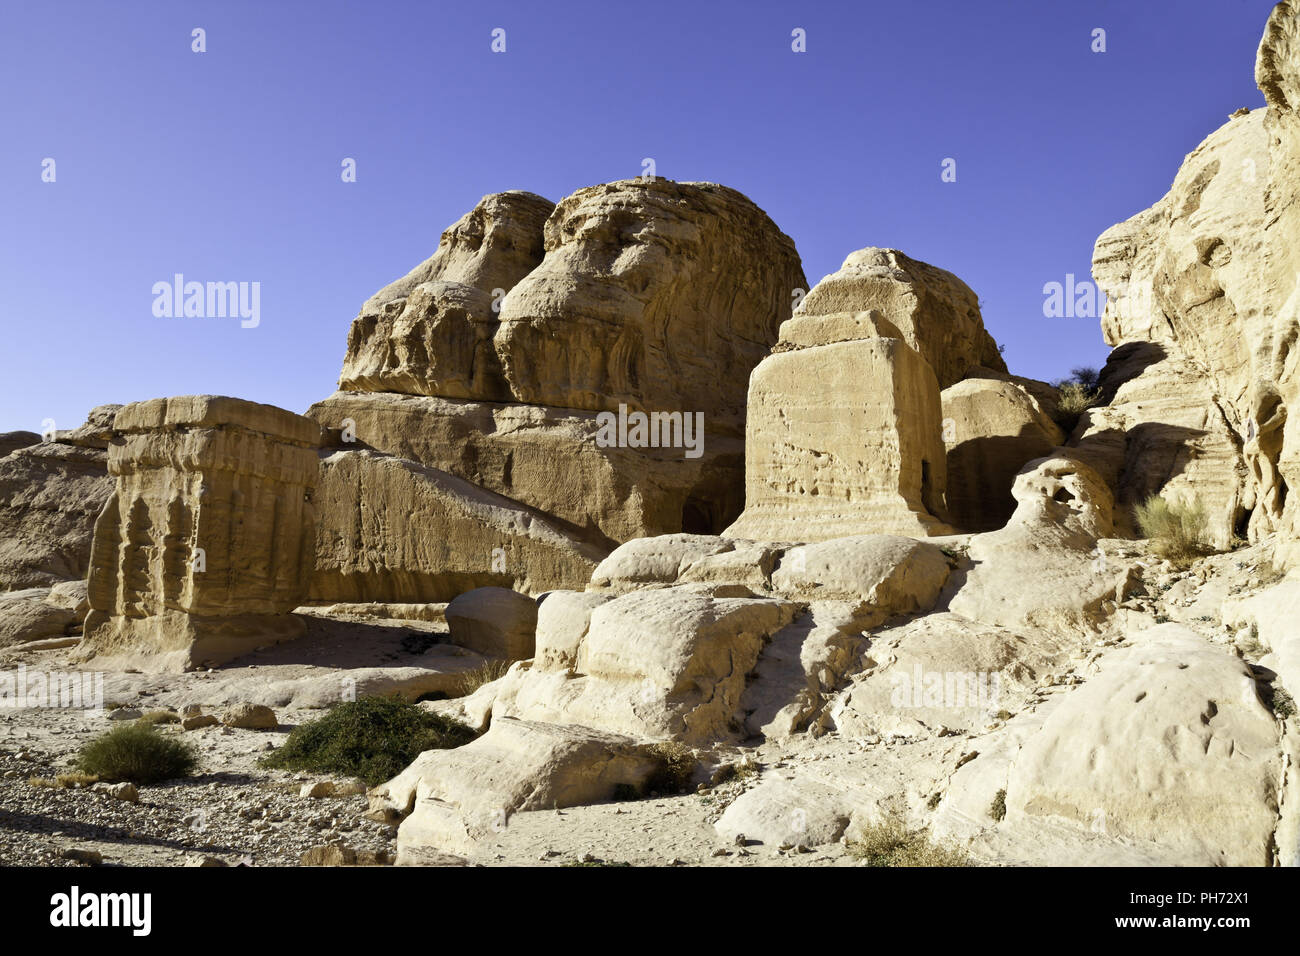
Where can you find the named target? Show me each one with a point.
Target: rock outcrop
(655, 294)
(1207, 284)
(860, 453)
(990, 429)
(453, 535)
(50, 494)
(206, 544)
(430, 332)
(937, 313)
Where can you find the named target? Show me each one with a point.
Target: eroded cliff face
(1203, 293)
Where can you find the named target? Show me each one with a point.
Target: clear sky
(226, 165)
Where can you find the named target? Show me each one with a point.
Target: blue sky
(225, 165)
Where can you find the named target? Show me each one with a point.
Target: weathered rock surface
(206, 544)
(453, 535)
(50, 494)
(12, 441)
(861, 454)
(990, 429)
(1044, 569)
(26, 616)
(937, 313)
(495, 622)
(549, 459)
(1169, 743)
(457, 798)
(430, 333)
(655, 294)
(1208, 277)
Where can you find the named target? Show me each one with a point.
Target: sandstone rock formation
(861, 453)
(207, 541)
(453, 536)
(495, 622)
(1205, 282)
(430, 333)
(50, 494)
(654, 294)
(991, 429)
(549, 459)
(937, 313)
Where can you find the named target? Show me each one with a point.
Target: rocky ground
(234, 812)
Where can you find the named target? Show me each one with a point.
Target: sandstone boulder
(495, 622)
(1206, 282)
(456, 799)
(25, 617)
(937, 314)
(1169, 743)
(12, 441)
(991, 429)
(780, 813)
(892, 574)
(206, 544)
(861, 454)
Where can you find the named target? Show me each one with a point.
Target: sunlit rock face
(653, 294)
(207, 542)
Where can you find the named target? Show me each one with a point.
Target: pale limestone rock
(943, 671)
(936, 313)
(779, 813)
(453, 536)
(891, 574)
(495, 622)
(1044, 569)
(801, 667)
(456, 799)
(859, 453)
(663, 663)
(563, 619)
(655, 560)
(72, 596)
(655, 294)
(1168, 743)
(990, 429)
(549, 459)
(250, 717)
(50, 494)
(206, 545)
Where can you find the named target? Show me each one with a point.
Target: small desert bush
(676, 765)
(1075, 399)
(891, 843)
(135, 752)
(64, 781)
(998, 809)
(1176, 531)
(471, 681)
(1283, 703)
(374, 738)
(159, 717)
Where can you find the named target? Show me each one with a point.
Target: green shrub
(374, 738)
(1074, 401)
(891, 843)
(138, 753)
(1176, 531)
